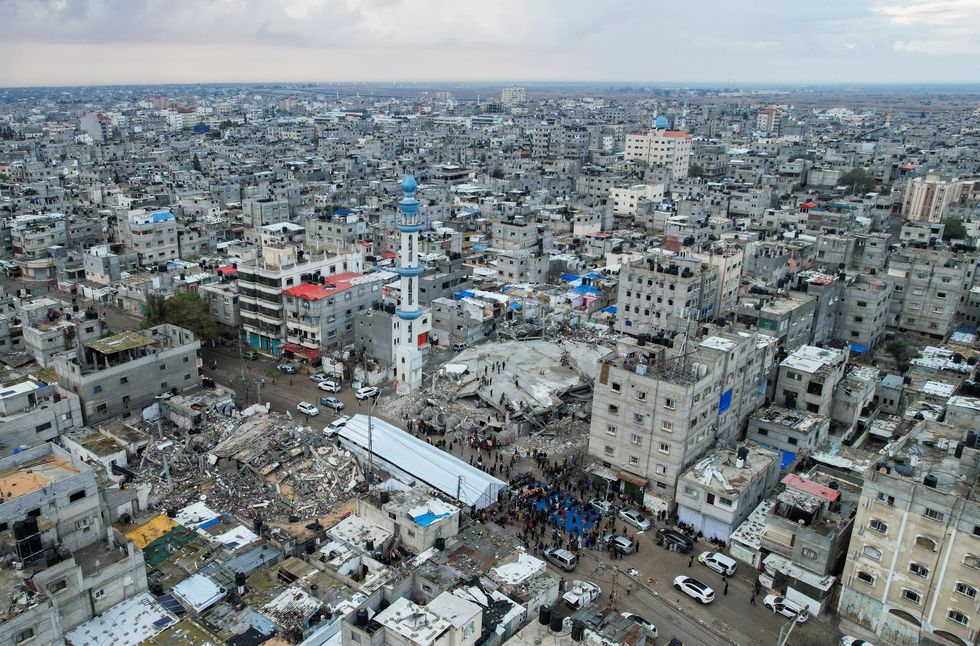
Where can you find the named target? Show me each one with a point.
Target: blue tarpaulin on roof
(463, 294)
(786, 458)
(610, 310)
(480, 247)
(343, 212)
(569, 277)
(857, 347)
(515, 306)
(592, 275)
(588, 290)
(428, 518)
(162, 216)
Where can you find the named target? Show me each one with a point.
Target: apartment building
(151, 236)
(927, 198)
(717, 493)
(790, 431)
(120, 374)
(105, 267)
(517, 234)
(49, 330)
(786, 316)
(727, 258)
(807, 379)
(32, 412)
(652, 417)
(74, 565)
(927, 287)
(914, 558)
(261, 285)
(665, 293)
(668, 149)
(863, 312)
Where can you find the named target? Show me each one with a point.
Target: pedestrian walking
(629, 588)
(752, 598)
(725, 591)
(690, 561)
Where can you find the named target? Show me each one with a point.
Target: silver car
(635, 518)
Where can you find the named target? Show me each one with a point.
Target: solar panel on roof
(170, 603)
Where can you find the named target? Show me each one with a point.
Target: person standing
(725, 591)
(752, 598)
(690, 561)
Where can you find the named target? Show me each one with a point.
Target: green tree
(185, 310)
(902, 351)
(694, 170)
(196, 163)
(858, 180)
(953, 229)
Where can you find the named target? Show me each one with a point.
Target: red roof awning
(808, 205)
(299, 350)
(632, 479)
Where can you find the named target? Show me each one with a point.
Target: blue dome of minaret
(661, 123)
(408, 185)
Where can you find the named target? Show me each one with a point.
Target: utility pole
(785, 631)
(374, 402)
(459, 486)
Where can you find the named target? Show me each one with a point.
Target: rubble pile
(264, 464)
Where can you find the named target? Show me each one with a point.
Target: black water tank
(833, 484)
(384, 497)
(310, 546)
(257, 524)
(440, 543)
(930, 481)
(958, 453)
(362, 617)
(742, 453)
(369, 546)
(578, 630)
(172, 512)
(240, 579)
(20, 529)
(544, 615)
(383, 605)
(557, 622)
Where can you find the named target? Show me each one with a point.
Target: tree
(902, 351)
(185, 310)
(196, 163)
(953, 229)
(858, 180)
(694, 170)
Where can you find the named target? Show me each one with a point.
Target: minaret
(408, 356)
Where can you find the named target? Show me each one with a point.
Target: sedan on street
(635, 518)
(694, 589)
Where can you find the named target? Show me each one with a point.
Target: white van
(561, 558)
(718, 562)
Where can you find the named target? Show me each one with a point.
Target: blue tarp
(610, 310)
(480, 247)
(592, 275)
(463, 294)
(342, 212)
(857, 347)
(428, 518)
(587, 290)
(163, 216)
(725, 402)
(569, 277)
(787, 459)
(515, 306)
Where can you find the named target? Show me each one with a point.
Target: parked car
(786, 608)
(670, 538)
(334, 427)
(318, 376)
(332, 402)
(718, 562)
(635, 518)
(307, 409)
(637, 619)
(847, 640)
(287, 368)
(561, 558)
(329, 385)
(366, 392)
(582, 594)
(459, 345)
(604, 507)
(250, 355)
(621, 543)
(694, 589)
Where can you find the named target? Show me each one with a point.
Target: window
(163, 385)
(57, 586)
(616, 387)
(610, 429)
(78, 495)
(664, 447)
(976, 530)
(101, 408)
(933, 514)
(608, 450)
(763, 431)
(972, 561)
(186, 359)
(911, 596)
(667, 427)
(966, 590)
(888, 500)
(636, 439)
(864, 577)
(163, 366)
(24, 635)
(661, 469)
(97, 389)
(669, 403)
(634, 461)
(124, 380)
(98, 594)
(638, 418)
(926, 542)
(641, 395)
(918, 569)
(878, 526)
(42, 427)
(958, 617)
(872, 552)
(613, 409)
(809, 553)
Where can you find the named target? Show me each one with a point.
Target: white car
(329, 385)
(319, 376)
(640, 621)
(307, 409)
(694, 589)
(847, 640)
(786, 608)
(582, 594)
(334, 427)
(604, 507)
(718, 562)
(366, 392)
(635, 518)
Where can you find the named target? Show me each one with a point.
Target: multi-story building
(73, 563)
(511, 97)
(927, 286)
(517, 234)
(652, 417)
(668, 149)
(665, 293)
(32, 413)
(807, 379)
(260, 211)
(790, 431)
(911, 574)
(222, 300)
(728, 260)
(151, 236)
(863, 313)
(120, 374)
(261, 285)
(787, 316)
(104, 267)
(927, 198)
(48, 330)
(716, 494)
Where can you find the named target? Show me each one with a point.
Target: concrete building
(222, 300)
(518, 234)
(415, 518)
(854, 395)
(664, 293)
(717, 493)
(828, 292)
(32, 413)
(927, 198)
(863, 312)
(512, 97)
(652, 418)
(451, 275)
(627, 199)
(787, 316)
(927, 287)
(49, 331)
(912, 570)
(808, 377)
(104, 267)
(790, 431)
(75, 565)
(728, 260)
(151, 236)
(120, 374)
(659, 147)
(261, 211)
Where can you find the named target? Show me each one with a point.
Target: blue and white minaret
(413, 323)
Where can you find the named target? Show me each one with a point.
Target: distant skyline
(96, 42)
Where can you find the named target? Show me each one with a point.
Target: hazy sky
(79, 42)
